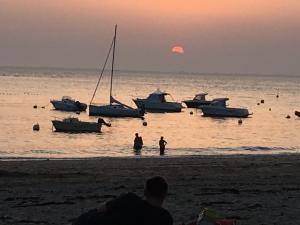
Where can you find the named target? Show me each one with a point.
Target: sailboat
(115, 108)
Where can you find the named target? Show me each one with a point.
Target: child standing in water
(162, 146)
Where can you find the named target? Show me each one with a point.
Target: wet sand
(253, 189)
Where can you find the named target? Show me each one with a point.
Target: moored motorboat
(218, 108)
(198, 100)
(68, 104)
(72, 124)
(156, 102)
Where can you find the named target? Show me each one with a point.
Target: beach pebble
(270, 109)
(258, 103)
(36, 127)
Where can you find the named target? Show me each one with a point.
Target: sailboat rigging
(115, 107)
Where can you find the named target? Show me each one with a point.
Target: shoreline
(15, 159)
(260, 189)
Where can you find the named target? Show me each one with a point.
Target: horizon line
(145, 71)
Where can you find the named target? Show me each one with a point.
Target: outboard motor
(102, 121)
(78, 105)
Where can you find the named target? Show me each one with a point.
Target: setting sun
(178, 49)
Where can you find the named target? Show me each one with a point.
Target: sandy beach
(252, 189)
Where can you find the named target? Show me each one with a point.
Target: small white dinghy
(156, 102)
(68, 104)
(218, 108)
(72, 124)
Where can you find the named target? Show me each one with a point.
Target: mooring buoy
(36, 127)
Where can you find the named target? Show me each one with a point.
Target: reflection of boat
(297, 113)
(218, 108)
(68, 104)
(115, 108)
(197, 101)
(72, 124)
(156, 102)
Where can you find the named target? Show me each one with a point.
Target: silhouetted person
(138, 142)
(162, 146)
(130, 209)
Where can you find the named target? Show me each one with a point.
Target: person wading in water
(138, 142)
(162, 146)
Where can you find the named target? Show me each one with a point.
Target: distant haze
(225, 36)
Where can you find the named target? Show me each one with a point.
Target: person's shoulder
(123, 200)
(164, 217)
(129, 195)
(167, 215)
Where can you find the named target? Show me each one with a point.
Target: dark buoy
(145, 123)
(35, 106)
(191, 113)
(288, 117)
(240, 121)
(262, 101)
(36, 127)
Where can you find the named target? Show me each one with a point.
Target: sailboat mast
(112, 64)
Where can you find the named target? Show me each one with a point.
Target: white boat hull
(62, 126)
(158, 106)
(215, 111)
(68, 106)
(114, 110)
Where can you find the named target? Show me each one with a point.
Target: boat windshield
(157, 98)
(220, 102)
(200, 97)
(66, 98)
(71, 120)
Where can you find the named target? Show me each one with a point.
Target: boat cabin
(67, 98)
(219, 102)
(157, 96)
(71, 120)
(200, 97)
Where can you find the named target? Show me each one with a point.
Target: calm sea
(267, 131)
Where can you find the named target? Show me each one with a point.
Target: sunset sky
(226, 36)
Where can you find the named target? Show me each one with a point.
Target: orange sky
(76, 32)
